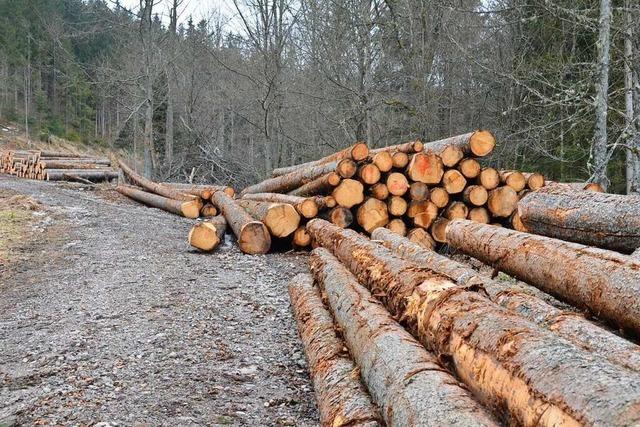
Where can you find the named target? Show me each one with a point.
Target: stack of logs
(414, 189)
(56, 166)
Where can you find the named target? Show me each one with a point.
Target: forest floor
(107, 316)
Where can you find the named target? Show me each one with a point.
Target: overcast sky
(197, 8)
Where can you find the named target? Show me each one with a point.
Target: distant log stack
(56, 166)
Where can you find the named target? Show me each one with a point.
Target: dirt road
(107, 316)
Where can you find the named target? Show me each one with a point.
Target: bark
(280, 218)
(569, 325)
(306, 207)
(342, 399)
(636, 254)
(453, 181)
(253, 236)
(633, 139)
(528, 373)
(290, 181)
(348, 193)
(207, 235)
(479, 143)
(153, 186)
(407, 382)
(604, 282)
(83, 163)
(609, 221)
(489, 178)
(321, 185)
(575, 186)
(407, 148)
(204, 191)
(470, 168)
(90, 174)
(372, 214)
(188, 209)
(357, 152)
(427, 168)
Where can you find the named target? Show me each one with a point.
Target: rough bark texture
(407, 148)
(307, 207)
(253, 236)
(610, 221)
(406, 381)
(604, 282)
(207, 235)
(90, 174)
(528, 373)
(188, 209)
(205, 191)
(320, 185)
(569, 325)
(152, 186)
(357, 152)
(290, 181)
(342, 399)
(280, 218)
(576, 186)
(479, 143)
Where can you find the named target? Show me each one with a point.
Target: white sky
(199, 9)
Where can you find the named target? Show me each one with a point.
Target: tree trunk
(569, 325)
(609, 221)
(203, 191)
(321, 185)
(528, 373)
(479, 143)
(280, 218)
(633, 139)
(207, 235)
(253, 236)
(90, 174)
(356, 152)
(604, 282)
(290, 181)
(307, 207)
(407, 148)
(408, 384)
(341, 397)
(188, 209)
(155, 187)
(576, 186)
(168, 136)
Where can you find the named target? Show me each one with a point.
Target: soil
(108, 317)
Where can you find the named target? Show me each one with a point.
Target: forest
(278, 82)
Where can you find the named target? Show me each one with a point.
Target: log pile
(56, 166)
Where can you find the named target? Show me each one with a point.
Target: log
(636, 254)
(358, 151)
(155, 187)
(397, 184)
(74, 164)
(470, 168)
(372, 214)
(348, 193)
(418, 206)
(489, 178)
(396, 205)
(301, 238)
(427, 168)
(527, 373)
(187, 209)
(291, 181)
(346, 168)
(535, 180)
(76, 178)
(439, 197)
(379, 191)
(479, 215)
(407, 148)
(397, 226)
(324, 202)
(475, 195)
(453, 181)
(479, 143)
(253, 236)
(604, 282)
(419, 191)
(450, 155)
(383, 161)
(369, 174)
(456, 210)
(321, 185)
(425, 218)
(306, 207)
(207, 235)
(576, 186)
(439, 230)
(281, 219)
(400, 160)
(341, 397)
(569, 325)
(408, 384)
(610, 221)
(502, 201)
(421, 237)
(89, 174)
(516, 223)
(342, 217)
(208, 210)
(513, 179)
(204, 191)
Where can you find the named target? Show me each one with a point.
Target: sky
(197, 8)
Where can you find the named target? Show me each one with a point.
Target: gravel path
(111, 318)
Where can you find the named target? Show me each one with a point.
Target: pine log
(321, 185)
(397, 226)
(479, 143)
(324, 202)
(204, 191)
(372, 214)
(407, 148)
(516, 223)
(527, 373)
(475, 195)
(207, 235)
(291, 181)
(450, 154)
(306, 207)
(453, 181)
(421, 237)
(397, 184)
(342, 217)
(90, 174)
(569, 325)
(502, 201)
(208, 210)
(74, 164)
(379, 191)
(342, 399)
(479, 215)
(419, 191)
(396, 205)
(576, 186)
(358, 151)
(470, 168)
(424, 218)
(253, 236)
(489, 178)
(188, 209)
(72, 177)
(408, 384)
(439, 197)
(513, 179)
(418, 206)
(301, 238)
(535, 180)
(383, 161)
(281, 219)
(610, 221)
(369, 174)
(346, 168)
(427, 168)
(348, 193)
(155, 187)
(636, 254)
(439, 230)
(456, 210)
(400, 160)
(604, 282)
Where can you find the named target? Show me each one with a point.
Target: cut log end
(301, 238)
(482, 143)
(349, 193)
(451, 155)
(308, 208)
(439, 230)
(383, 160)
(346, 168)
(254, 238)
(397, 184)
(282, 219)
(372, 214)
(359, 151)
(400, 159)
(342, 217)
(204, 236)
(475, 195)
(421, 237)
(470, 168)
(369, 173)
(480, 215)
(191, 209)
(397, 226)
(502, 201)
(453, 181)
(439, 197)
(489, 178)
(427, 168)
